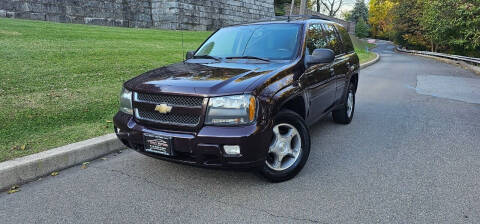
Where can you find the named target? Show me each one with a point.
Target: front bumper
(203, 147)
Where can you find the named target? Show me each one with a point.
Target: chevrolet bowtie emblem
(163, 108)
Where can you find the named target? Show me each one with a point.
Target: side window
(346, 40)
(333, 40)
(316, 38)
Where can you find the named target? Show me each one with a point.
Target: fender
(283, 96)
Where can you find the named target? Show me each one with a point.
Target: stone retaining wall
(163, 14)
(127, 13)
(208, 15)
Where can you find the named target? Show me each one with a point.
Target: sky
(348, 5)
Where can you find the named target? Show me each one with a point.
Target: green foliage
(280, 6)
(362, 29)
(347, 15)
(406, 23)
(452, 26)
(360, 11)
(380, 18)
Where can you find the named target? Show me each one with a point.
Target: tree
(318, 5)
(303, 7)
(467, 22)
(436, 24)
(452, 25)
(332, 6)
(347, 15)
(360, 11)
(406, 23)
(280, 9)
(361, 29)
(280, 6)
(380, 18)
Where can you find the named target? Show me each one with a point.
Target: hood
(201, 78)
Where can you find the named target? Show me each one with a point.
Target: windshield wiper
(249, 57)
(208, 57)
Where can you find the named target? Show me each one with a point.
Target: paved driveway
(408, 157)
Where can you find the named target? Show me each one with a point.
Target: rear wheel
(289, 149)
(344, 115)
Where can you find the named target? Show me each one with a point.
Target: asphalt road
(406, 158)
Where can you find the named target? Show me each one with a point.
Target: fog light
(232, 149)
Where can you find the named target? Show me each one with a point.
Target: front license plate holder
(158, 144)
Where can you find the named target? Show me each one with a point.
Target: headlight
(231, 110)
(126, 101)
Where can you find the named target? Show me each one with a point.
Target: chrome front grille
(170, 99)
(143, 101)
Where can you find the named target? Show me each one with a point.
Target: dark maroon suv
(245, 98)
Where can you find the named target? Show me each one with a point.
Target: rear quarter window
(347, 41)
(333, 40)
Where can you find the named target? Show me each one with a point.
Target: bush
(361, 29)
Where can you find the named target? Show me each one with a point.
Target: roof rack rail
(289, 17)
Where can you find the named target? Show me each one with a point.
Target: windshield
(268, 41)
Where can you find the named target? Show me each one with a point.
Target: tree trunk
(318, 5)
(303, 7)
(292, 5)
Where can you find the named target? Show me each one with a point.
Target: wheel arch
(354, 81)
(293, 99)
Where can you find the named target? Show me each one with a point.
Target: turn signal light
(251, 114)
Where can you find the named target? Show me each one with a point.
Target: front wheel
(289, 149)
(344, 115)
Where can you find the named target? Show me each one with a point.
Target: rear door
(321, 88)
(352, 60)
(341, 64)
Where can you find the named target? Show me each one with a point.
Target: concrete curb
(366, 64)
(29, 168)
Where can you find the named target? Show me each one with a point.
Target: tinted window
(316, 38)
(271, 41)
(347, 41)
(333, 40)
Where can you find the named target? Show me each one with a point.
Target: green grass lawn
(361, 47)
(59, 83)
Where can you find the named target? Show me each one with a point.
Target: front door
(321, 87)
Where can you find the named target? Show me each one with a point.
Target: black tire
(342, 115)
(291, 118)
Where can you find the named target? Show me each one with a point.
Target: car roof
(294, 19)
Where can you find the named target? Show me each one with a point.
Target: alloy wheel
(350, 104)
(285, 148)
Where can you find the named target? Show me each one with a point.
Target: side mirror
(320, 56)
(190, 54)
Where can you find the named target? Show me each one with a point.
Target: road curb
(29, 168)
(366, 64)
